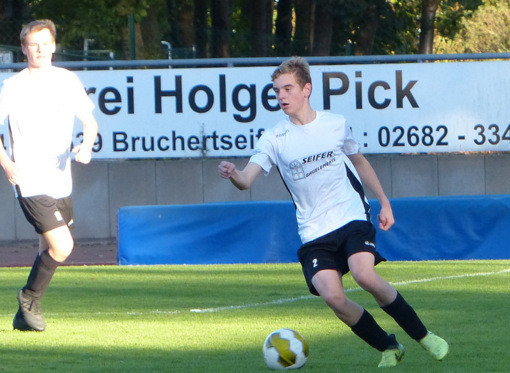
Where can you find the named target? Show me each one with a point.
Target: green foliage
(398, 32)
(400, 27)
(451, 13)
(484, 30)
(461, 26)
(104, 21)
(215, 318)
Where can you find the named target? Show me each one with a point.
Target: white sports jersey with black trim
(41, 111)
(312, 160)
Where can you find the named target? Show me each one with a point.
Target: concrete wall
(101, 187)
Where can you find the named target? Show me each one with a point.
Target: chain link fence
(10, 50)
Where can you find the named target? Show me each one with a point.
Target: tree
(104, 22)
(200, 23)
(221, 28)
(283, 27)
(323, 26)
(259, 28)
(484, 31)
(262, 27)
(305, 11)
(367, 32)
(428, 16)
(12, 13)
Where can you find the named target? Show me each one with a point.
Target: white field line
(276, 301)
(348, 290)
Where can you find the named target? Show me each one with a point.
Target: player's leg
(59, 243)
(361, 265)
(392, 302)
(329, 286)
(54, 248)
(50, 218)
(322, 261)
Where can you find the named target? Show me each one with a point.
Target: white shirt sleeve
(350, 145)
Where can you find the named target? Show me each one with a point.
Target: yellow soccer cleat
(392, 356)
(436, 346)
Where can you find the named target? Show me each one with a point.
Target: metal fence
(260, 61)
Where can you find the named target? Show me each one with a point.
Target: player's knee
(335, 301)
(62, 251)
(367, 280)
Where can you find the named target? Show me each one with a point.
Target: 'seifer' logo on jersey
(297, 169)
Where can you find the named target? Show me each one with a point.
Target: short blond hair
(35, 26)
(297, 66)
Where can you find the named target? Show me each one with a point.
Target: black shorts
(46, 213)
(332, 250)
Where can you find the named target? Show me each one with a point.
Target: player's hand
(82, 155)
(225, 169)
(385, 217)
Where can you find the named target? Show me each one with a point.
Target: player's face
(289, 94)
(39, 48)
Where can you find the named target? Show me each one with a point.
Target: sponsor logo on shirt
(282, 134)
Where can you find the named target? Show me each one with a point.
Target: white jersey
(40, 110)
(312, 160)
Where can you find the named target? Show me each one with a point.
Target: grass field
(215, 318)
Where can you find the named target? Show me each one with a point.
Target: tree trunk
(283, 27)
(367, 32)
(428, 16)
(180, 19)
(303, 34)
(220, 15)
(261, 27)
(323, 28)
(186, 24)
(151, 34)
(200, 26)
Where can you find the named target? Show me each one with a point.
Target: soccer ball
(285, 349)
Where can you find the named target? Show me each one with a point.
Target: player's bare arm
(242, 179)
(371, 181)
(84, 150)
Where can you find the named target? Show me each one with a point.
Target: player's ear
(307, 89)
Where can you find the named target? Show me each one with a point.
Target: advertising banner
(221, 112)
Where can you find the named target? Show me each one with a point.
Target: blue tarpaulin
(426, 228)
(213, 233)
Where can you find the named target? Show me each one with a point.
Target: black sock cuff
(390, 308)
(48, 261)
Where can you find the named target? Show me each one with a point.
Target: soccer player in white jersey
(324, 171)
(40, 104)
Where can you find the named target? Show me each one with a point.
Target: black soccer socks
(40, 275)
(368, 330)
(406, 317)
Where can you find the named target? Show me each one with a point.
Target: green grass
(140, 319)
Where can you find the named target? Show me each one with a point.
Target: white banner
(221, 112)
